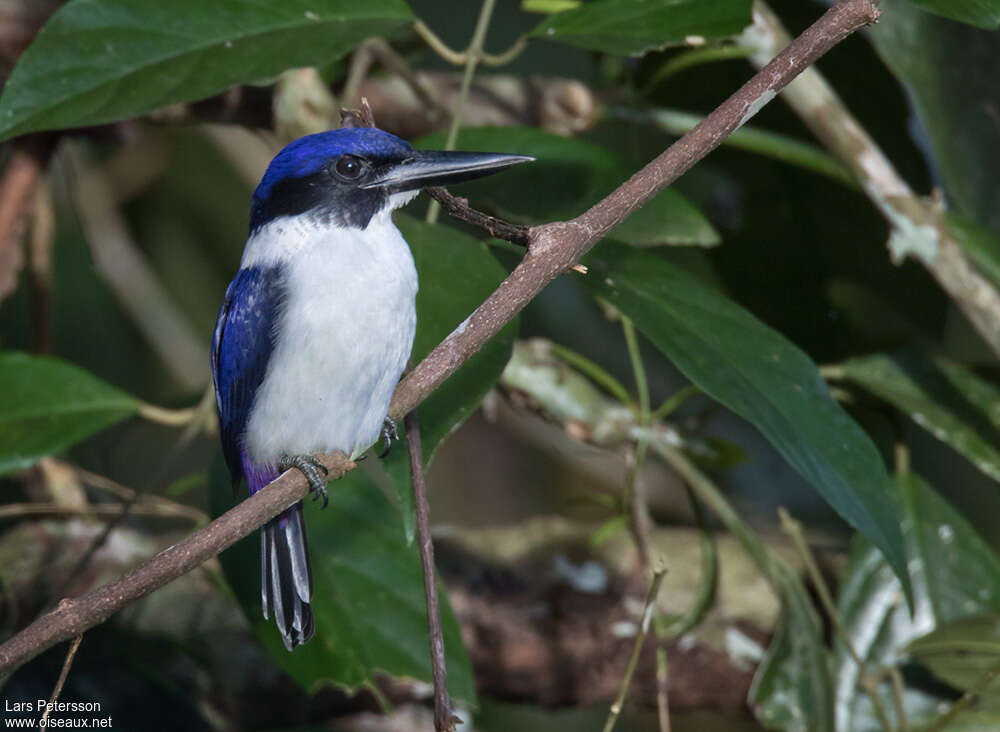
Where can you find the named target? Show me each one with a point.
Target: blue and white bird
(317, 326)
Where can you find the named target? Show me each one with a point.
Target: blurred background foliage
(137, 225)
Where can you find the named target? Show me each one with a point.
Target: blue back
(241, 350)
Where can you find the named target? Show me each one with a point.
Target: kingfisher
(317, 326)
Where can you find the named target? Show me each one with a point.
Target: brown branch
(443, 719)
(460, 209)
(70, 655)
(74, 616)
(554, 248)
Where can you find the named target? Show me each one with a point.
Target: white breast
(343, 337)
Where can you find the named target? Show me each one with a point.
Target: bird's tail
(285, 577)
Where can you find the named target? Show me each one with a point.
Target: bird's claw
(389, 435)
(314, 471)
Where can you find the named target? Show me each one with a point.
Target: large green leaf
(633, 27)
(572, 174)
(949, 72)
(368, 593)
(46, 405)
(982, 13)
(954, 574)
(792, 689)
(953, 404)
(98, 61)
(753, 370)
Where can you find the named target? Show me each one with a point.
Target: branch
(460, 209)
(73, 616)
(443, 718)
(554, 248)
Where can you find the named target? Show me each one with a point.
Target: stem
(707, 583)
(169, 417)
(662, 689)
(70, 655)
(750, 139)
(443, 719)
(647, 616)
(962, 702)
(474, 52)
(674, 401)
(634, 495)
(794, 530)
(594, 372)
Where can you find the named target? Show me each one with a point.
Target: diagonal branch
(553, 249)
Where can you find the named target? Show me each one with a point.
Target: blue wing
(241, 349)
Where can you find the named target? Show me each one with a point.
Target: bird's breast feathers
(342, 338)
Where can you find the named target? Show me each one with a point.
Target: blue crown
(311, 153)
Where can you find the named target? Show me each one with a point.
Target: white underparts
(342, 339)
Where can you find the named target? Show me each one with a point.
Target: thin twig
(444, 721)
(168, 417)
(635, 493)
(460, 209)
(460, 58)
(647, 619)
(166, 510)
(473, 53)
(62, 676)
(377, 49)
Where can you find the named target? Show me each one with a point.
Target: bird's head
(344, 177)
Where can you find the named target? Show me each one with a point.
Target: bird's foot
(314, 471)
(389, 435)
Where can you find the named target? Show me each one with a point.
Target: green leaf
(99, 61)
(959, 653)
(949, 72)
(47, 405)
(633, 27)
(574, 174)
(953, 404)
(981, 13)
(755, 372)
(792, 689)
(954, 575)
(368, 593)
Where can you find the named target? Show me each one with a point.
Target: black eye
(349, 167)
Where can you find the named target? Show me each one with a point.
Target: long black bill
(427, 168)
